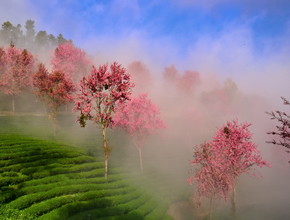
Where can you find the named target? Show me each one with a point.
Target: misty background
(235, 53)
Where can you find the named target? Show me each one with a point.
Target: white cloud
(17, 12)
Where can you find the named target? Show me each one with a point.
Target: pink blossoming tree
(283, 131)
(187, 82)
(16, 70)
(140, 119)
(170, 74)
(101, 95)
(232, 153)
(233, 142)
(209, 177)
(140, 76)
(54, 89)
(70, 60)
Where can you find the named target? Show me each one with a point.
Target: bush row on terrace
(88, 174)
(56, 202)
(10, 193)
(108, 206)
(129, 208)
(14, 141)
(28, 143)
(27, 200)
(69, 178)
(25, 144)
(10, 153)
(40, 185)
(77, 182)
(43, 160)
(15, 214)
(57, 168)
(135, 209)
(6, 181)
(34, 173)
(36, 157)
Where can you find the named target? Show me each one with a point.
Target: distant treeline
(39, 42)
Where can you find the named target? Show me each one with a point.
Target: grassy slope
(62, 177)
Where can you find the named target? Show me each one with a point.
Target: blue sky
(236, 38)
(182, 21)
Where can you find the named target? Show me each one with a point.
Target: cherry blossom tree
(140, 75)
(54, 89)
(16, 70)
(221, 161)
(209, 177)
(70, 60)
(140, 119)
(282, 130)
(233, 142)
(184, 83)
(188, 81)
(170, 74)
(101, 95)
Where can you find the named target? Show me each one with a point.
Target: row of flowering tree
(16, 69)
(102, 94)
(220, 162)
(55, 88)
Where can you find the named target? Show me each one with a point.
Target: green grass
(62, 177)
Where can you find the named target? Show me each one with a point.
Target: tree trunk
(233, 200)
(140, 157)
(44, 108)
(53, 119)
(210, 209)
(105, 153)
(13, 104)
(140, 154)
(54, 128)
(106, 168)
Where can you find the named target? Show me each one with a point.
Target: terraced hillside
(43, 176)
(49, 180)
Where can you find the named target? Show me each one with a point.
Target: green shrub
(9, 174)
(14, 214)
(6, 181)
(8, 196)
